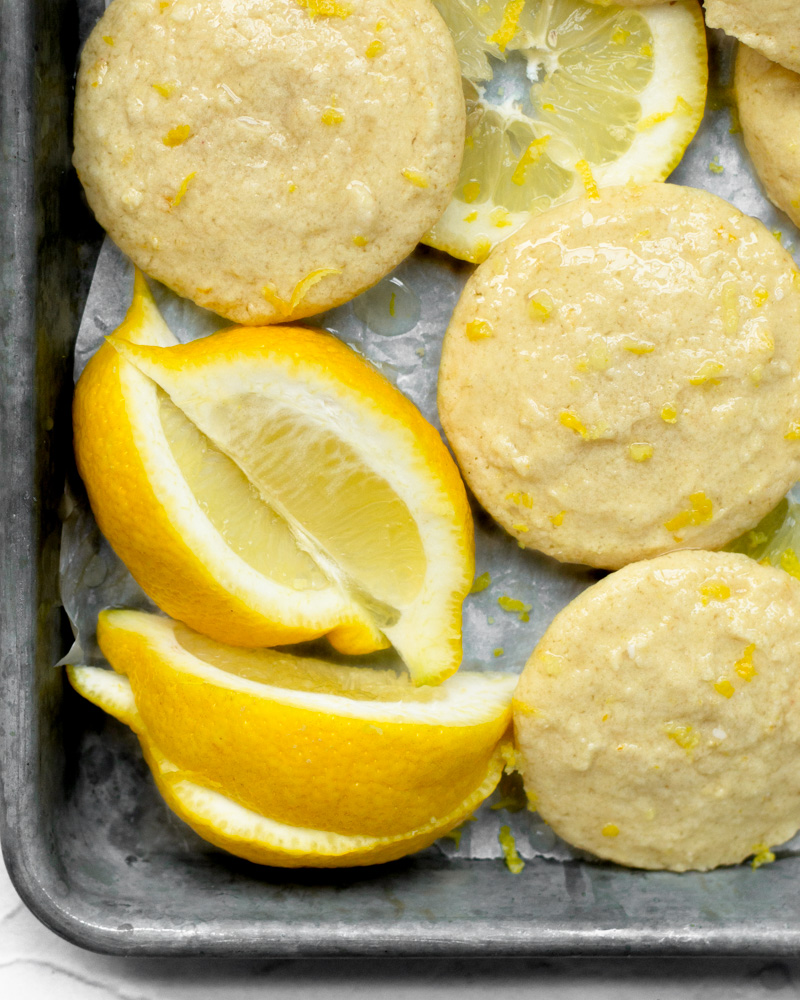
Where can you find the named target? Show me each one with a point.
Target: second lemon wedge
(291, 760)
(266, 485)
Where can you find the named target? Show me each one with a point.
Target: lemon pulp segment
(563, 96)
(323, 487)
(233, 505)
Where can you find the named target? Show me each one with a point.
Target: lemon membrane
(563, 98)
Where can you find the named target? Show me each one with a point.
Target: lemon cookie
(268, 158)
(658, 720)
(622, 377)
(770, 26)
(768, 97)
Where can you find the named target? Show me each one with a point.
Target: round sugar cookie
(622, 376)
(768, 98)
(770, 26)
(658, 720)
(268, 159)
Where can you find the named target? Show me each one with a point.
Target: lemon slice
(266, 485)
(564, 97)
(310, 762)
(775, 540)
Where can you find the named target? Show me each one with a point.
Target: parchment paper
(406, 349)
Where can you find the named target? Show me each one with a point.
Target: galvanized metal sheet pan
(89, 843)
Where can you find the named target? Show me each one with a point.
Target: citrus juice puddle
(389, 309)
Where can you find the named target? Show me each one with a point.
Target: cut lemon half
(289, 760)
(564, 97)
(267, 485)
(775, 540)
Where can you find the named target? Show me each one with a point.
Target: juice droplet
(388, 309)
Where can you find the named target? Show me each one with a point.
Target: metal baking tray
(89, 844)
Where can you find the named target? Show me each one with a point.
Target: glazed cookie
(658, 720)
(268, 158)
(770, 26)
(622, 376)
(768, 97)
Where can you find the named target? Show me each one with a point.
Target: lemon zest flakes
(669, 414)
(374, 48)
(714, 590)
(640, 451)
(177, 136)
(108, 39)
(552, 663)
(478, 329)
(360, 241)
(174, 202)
(793, 434)
(539, 309)
(499, 651)
(760, 296)
(514, 606)
(686, 738)
(610, 830)
(706, 373)
(529, 158)
(514, 862)
(481, 583)
(520, 499)
(700, 512)
(570, 419)
(681, 105)
(597, 360)
(480, 250)
(639, 346)
(589, 183)
(715, 166)
(325, 8)
(790, 563)
(744, 666)
(521, 528)
(499, 217)
(725, 688)
(557, 519)
(620, 36)
(301, 289)
(471, 190)
(509, 24)
(415, 177)
(567, 418)
(471, 217)
(646, 50)
(730, 307)
(165, 89)
(762, 856)
(332, 115)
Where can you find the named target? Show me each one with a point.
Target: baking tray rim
(30, 869)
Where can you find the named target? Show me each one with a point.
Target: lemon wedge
(266, 486)
(564, 97)
(291, 760)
